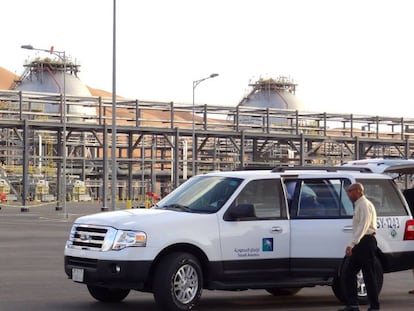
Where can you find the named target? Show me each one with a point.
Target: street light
(113, 149)
(195, 84)
(62, 56)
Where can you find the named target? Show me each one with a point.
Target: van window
(266, 195)
(321, 198)
(384, 195)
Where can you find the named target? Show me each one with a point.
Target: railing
(154, 139)
(46, 107)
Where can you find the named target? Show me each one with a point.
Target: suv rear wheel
(338, 285)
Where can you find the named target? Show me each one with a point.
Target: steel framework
(154, 141)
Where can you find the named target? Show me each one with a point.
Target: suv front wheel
(178, 282)
(338, 285)
(105, 294)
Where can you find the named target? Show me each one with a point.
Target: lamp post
(195, 84)
(62, 56)
(114, 129)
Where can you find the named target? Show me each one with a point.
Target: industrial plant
(56, 137)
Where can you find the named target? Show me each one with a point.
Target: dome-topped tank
(51, 76)
(273, 93)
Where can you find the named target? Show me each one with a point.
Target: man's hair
(357, 186)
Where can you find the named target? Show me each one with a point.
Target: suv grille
(91, 237)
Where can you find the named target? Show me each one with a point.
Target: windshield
(201, 194)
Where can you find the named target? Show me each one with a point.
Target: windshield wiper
(178, 207)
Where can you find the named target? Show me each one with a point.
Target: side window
(266, 196)
(322, 198)
(290, 186)
(384, 194)
(347, 207)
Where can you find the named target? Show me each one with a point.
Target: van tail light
(409, 230)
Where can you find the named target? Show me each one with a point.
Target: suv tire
(338, 285)
(105, 294)
(178, 282)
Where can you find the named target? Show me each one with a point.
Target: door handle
(276, 229)
(347, 228)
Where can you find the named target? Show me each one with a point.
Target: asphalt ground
(32, 275)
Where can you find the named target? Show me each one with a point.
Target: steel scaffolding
(154, 141)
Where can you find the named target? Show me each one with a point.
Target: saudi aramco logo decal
(267, 245)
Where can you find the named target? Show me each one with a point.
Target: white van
(278, 229)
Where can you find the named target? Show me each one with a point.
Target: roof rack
(255, 168)
(280, 169)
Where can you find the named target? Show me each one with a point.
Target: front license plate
(77, 275)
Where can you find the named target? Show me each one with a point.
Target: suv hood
(130, 219)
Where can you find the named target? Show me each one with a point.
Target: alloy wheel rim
(185, 284)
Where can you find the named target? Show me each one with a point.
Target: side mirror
(240, 212)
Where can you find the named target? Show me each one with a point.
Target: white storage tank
(276, 93)
(55, 76)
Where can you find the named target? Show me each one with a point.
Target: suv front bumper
(109, 273)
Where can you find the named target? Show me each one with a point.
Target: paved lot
(32, 276)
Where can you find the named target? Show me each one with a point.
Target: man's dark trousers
(362, 258)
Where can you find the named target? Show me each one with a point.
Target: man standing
(361, 250)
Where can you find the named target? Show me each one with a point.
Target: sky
(347, 56)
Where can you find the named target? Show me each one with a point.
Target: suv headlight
(128, 238)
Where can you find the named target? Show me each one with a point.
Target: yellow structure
(80, 191)
(4, 187)
(41, 190)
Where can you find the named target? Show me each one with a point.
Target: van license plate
(77, 275)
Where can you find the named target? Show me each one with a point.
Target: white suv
(278, 230)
